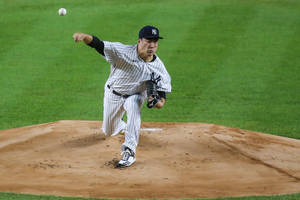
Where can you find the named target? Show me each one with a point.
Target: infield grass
(232, 62)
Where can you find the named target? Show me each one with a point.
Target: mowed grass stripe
(15, 29)
(199, 57)
(16, 58)
(28, 60)
(282, 112)
(239, 96)
(177, 51)
(42, 79)
(13, 196)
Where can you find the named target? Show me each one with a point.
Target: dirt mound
(174, 160)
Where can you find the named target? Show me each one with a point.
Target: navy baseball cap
(149, 32)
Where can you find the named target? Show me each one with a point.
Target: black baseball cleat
(127, 160)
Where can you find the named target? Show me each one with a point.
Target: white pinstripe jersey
(129, 72)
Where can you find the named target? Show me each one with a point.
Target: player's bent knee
(107, 132)
(111, 131)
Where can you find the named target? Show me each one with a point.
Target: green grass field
(232, 62)
(11, 196)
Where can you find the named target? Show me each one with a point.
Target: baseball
(62, 11)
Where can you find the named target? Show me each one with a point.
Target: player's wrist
(87, 38)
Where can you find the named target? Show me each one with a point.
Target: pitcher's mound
(174, 160)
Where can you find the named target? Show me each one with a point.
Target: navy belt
(119, 94)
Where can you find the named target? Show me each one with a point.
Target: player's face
(147, 46)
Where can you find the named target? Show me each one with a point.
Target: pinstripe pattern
(129, 72)
(127, 76)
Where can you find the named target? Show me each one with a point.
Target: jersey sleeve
(98, 45)
(164, 85)
(112, 51)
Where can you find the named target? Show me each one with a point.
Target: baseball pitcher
(136, 74)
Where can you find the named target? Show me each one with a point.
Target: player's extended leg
(132, 106)
(113, 112)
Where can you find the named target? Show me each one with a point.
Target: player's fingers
(150, 98)
(74, 35)
(77, 37)
(80, 37)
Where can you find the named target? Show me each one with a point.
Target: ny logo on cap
(154, 32)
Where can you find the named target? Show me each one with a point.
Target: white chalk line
(151, 129)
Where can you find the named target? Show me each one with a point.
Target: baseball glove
(151, 85)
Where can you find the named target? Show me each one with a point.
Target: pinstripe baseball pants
(114, 108)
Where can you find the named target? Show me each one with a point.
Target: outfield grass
(12, 196)
(232, 62)
(232, 65)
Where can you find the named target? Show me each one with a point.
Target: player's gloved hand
(151, 85)
(152, 101)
